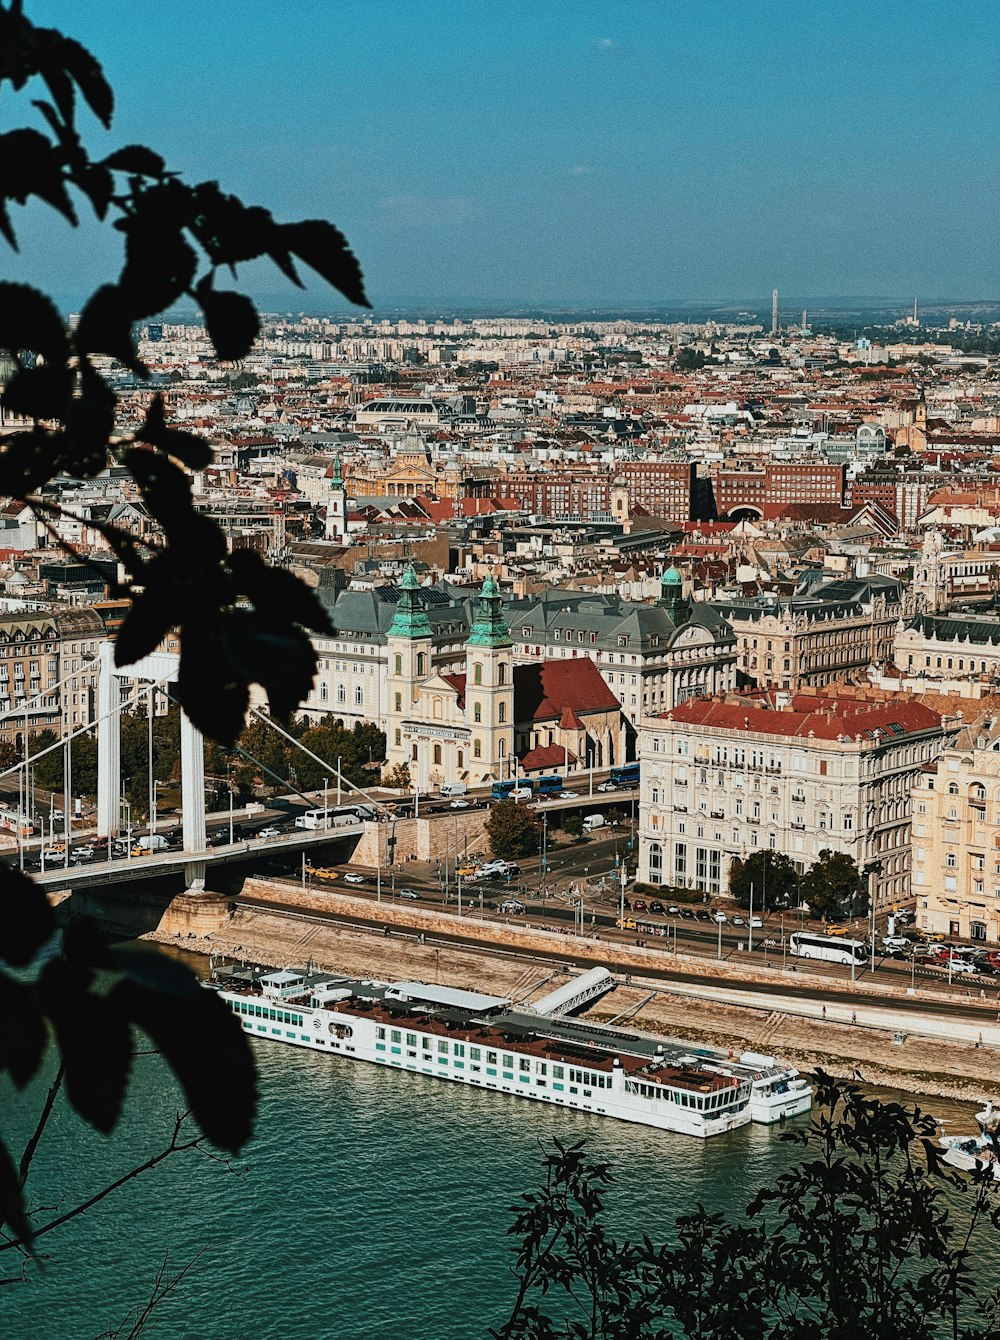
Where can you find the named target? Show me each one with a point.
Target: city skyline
(587, 155)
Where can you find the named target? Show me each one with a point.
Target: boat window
(491, 1058)
(395, 1035)
(458, 1048)
(557, 1072)
(508, 1061)
(474, 1054)
(411, 1039)
(443, 1046)
(541, 1068)
(380, 1034)
(523, 1063)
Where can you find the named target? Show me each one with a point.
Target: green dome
(671, 577)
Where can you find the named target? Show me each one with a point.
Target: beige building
(956, 836)
(47, 681)
(723, 777)
(829, 630)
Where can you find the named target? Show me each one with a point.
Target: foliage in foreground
(512, 830)
(868, 1235)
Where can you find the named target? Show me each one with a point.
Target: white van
(313, 819)
(454, 788)
(593, 821)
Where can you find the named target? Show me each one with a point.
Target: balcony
(798, 825)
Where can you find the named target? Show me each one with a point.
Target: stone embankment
(920, 1050)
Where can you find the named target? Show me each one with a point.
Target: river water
(370, 1204)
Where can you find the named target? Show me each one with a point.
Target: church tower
(336, 505)
(410, 641)
(489, 690)
(672, 597)
(929, 589)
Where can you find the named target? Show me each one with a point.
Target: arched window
(359, 696)
(399, 702)
(477, 748)
(421, 663)
(477, 673)
(502, 712)
(436, 708)
(399, 664)
(977, 791)
(502, 673)
(477, 713)
(953, 788)
(414, 753)
(437, 753)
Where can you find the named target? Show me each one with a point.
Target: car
(269, 832)
(354, 879)
(738, 920)
(568, 795)
(895, 942)
(467, 872)
(755, 923)
(607, 786)
(656, 905)
(702, 914)
(639, 905)
(719, 918)
(54, 850)
(688, 913)
(460, 805)
(85, 853)
(511, 907)
(409, 893)
(958, 967)
(673, 910)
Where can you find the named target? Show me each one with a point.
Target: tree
(240, 621)
(858, 1239)
(772, 876)
(512, 830)
(573, 824)
(398, 777)
(834, 888)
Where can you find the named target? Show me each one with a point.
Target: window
(398, 698)
(477, 673)
(397, 737)
(359, 696)
(502, 712)
(415, 754)
(437, 754)
(477, 713)
(502, 673)
(398, 662)
(477, 748)
(421, 663)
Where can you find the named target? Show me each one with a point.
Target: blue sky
(572, 152)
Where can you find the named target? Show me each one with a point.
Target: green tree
(398, 777)
(858, 1239)
(834, 887)
(772, 876)
(573, 824)
(512, 830)
(689, 359)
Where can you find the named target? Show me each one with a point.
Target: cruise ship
(483, 1041)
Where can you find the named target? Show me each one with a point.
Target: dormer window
(623, 640)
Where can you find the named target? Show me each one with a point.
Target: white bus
(831, 948)
(12, 822)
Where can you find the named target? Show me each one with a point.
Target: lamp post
(718, 927)
(338, 778)
(326, 801)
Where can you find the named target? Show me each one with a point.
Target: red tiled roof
(457, 682)
(544, 689)
(545, 757)
(808, 715)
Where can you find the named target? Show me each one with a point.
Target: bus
(547, 786)
(626, 775)
(517, 790)
(828, 947)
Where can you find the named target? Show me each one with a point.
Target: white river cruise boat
(976, 1153)
(479, 1040)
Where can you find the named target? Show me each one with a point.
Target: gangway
(575, 994)
(631, 1012)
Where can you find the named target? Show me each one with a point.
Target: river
(370, 1204)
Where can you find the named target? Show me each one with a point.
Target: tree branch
(32, 1145)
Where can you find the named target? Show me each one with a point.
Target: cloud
(580, 170)
(607, 44)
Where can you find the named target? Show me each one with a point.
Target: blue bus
(502, 790)
(626, 775)
(547, 786)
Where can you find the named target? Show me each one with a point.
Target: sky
(515, 152)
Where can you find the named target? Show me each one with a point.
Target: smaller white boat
(972, 1153)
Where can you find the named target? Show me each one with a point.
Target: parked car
(409, 893)
(719, 918)
(737, 920)
(656, 905)
(688, 913)
(354, 879)
(895, 942)
(958, 967)
(673, 910)
(702, 914)
(755, 923)
(639, 905)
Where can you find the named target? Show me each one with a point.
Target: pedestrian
(854, 1016)
(824, 1011)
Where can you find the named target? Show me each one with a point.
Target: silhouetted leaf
(209, 689)
(189, 448)
(28, 921)
(232, 322)
(159, 267)
(146, 966)
(166, 489)
(95, 1043)
(89, 79)
(97, 184)
(29, 320)
(136, 159)
(279, 658)
(40, 392)
(31, 166)
(11, 1205)
(146, 625)
(23, 1034)
(90, 421)
(105, 327)
(229, 230)
(277, 594)
(206, 1049)
(325, 249)
(27, 460)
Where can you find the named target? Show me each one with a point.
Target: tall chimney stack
(774, 311)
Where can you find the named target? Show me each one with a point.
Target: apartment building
(832, 628)
(955, 855)
(38, 651)
(723, 777)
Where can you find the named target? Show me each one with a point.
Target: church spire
(489, 628)
(410, 617)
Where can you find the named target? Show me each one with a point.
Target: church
(497, 719)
